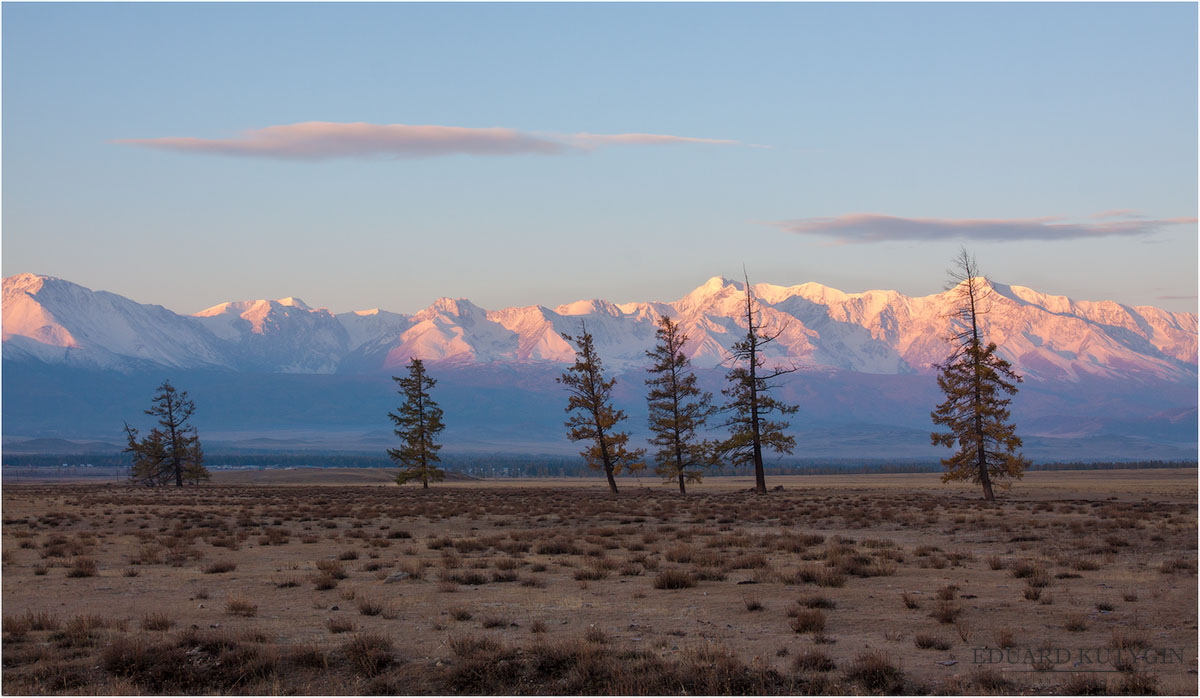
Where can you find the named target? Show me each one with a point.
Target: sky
(384, 155)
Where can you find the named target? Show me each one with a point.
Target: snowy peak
(882, 332)
(589, 307)
(56, 321)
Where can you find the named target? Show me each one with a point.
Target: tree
(592, 417)
(975, 380)
(749, 400)
(677, 409)
(170, 451)
(418, 422)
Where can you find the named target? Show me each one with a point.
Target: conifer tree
(749, 400)
(418, 422)
(592, 416)
(678, 409)
(975, 381)
(170, 451)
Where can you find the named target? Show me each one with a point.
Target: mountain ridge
(876, 331)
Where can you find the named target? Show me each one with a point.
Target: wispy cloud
(591, 140)
(860, 228)
(1176, 298)
(324, 140)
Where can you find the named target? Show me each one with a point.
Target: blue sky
(1057, 142)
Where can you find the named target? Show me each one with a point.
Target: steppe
(329, 582)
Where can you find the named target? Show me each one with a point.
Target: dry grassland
(836, 584)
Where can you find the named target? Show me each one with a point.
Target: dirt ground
(1076, 582)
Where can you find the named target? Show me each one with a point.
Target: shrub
(219, 567)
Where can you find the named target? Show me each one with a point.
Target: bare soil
(1076, 582)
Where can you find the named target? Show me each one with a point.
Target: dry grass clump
(31, 620)
(876, 672)
(1128, 639)
(220, 567)
(946, 612)
(931, 642)
(812, 660)
(674, 579)
(1089, 684)
(1004, 638)
(340, 625)
(157, 621)
(990, 680)
(494, 621)
(241, 606)
(368, 653)
(370, 607)
(1075, 622)
(580, 667)
(808, 620)
(332, 568)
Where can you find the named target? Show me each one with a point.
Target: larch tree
(978, 386)
(678, 409)
(417, 422)
(171, 451)
(593, 418)
(749, 402)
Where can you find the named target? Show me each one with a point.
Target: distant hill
(52, 446)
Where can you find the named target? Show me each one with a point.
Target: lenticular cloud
(870, 227)
(323, 140)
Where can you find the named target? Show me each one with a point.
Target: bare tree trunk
(980, 450)
(612, 483)
(760, 478)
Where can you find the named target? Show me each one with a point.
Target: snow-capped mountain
(58, 322)
(1102, 380)
(874, 332)
(282, 335)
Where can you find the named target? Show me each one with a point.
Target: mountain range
(1099, 375)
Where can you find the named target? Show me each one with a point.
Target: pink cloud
(323, 140)
(871, 227)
